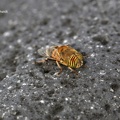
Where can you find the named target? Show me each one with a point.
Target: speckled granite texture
(32, 92)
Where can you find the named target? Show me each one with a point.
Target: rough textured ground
(33, 92)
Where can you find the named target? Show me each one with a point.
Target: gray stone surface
(33, 92)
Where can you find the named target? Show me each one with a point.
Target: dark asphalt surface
(32, 91)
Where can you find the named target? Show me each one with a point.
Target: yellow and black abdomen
(74, 61)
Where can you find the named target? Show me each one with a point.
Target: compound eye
(81, 63)
(78, 65)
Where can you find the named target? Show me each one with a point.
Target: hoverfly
(62, 54)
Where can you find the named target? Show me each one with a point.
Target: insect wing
(42, 51)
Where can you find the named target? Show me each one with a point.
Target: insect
(62, 54)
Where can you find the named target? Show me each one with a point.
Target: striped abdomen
(75, 61)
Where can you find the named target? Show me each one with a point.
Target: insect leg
(59, 67)
(73, 70)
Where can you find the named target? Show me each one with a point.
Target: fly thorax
(49, 51)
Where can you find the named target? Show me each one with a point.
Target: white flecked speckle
(7, 33)
(29, 48)
(66, 99)
(92, 107)
(19, 40)
(11, 47)
(25, 66)
(30, 57)
(65, 41)
(111, 90)
(92, 55)
(118, 70)
(102, 72)
(9, 87)
(75, 37)
(24, 84)
(26, 118)
(42, 101)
